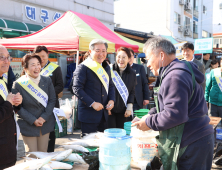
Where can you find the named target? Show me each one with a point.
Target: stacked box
(64, 126)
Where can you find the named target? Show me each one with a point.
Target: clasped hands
(98, 106)
(14, 99)
(39, 121)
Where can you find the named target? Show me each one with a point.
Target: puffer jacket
(129, 78)
(213, 93)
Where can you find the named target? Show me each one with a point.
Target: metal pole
(75, 103)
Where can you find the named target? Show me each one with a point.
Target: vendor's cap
(97, 41)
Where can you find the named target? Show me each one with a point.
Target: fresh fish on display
(59, 165)
(52, 164)
(75, 158)
(44, 154)
(85, 143)
(75, 148)
(46, 167)
(97, 135)
(62, 155)
(30, 165)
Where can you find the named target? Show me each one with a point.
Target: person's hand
(110, 105)
(41, 120)
(144, 117)
(17, 99)
(38, 123)
(141, 125)
(97, 106)
(145, 102)
(127, 113)
(109, 112)
(10, 97)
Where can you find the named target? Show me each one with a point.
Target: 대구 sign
(204, 45)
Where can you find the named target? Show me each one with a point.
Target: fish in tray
(97, 135)
(52, 165)
(31, 165)
(75, 158)
(75, 148)
(56, 156)
(85, 143)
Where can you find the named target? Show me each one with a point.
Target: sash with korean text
(5, 77)
(48, 69)
(3, 90)
(217, 75)
(34, 90)
(120, 85)
(99, 71)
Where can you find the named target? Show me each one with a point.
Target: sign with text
(204, 45)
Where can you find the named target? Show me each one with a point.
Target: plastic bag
(92, 158)
(66, 108)
(69, 125)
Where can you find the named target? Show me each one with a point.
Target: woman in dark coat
(122, 109)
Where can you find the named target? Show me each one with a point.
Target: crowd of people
(108, 94)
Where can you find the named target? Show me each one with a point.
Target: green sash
(34, 90)
(48, 69)
(99, 71)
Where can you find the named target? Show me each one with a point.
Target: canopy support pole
(75, 103)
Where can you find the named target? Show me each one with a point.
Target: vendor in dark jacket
(56, 77)
(180, 112)
(123, 107)
(8, 136)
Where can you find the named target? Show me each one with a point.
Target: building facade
(22, 17)
(184, 20)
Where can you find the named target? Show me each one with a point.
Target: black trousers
(4, 166)
(51, 144)
(93, 127)
(116, 120)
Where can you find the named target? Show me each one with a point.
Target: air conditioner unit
(181, 2)
(180, 28)
(187, 32)
(187, 6)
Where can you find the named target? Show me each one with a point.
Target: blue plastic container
(127, 127)
(219, 133)
(114, 150)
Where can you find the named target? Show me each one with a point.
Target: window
(204, 9)
(216, 41)
(210, 35)
(205, 34)
(195, 5)
(187, 22)
(220, 41)
(195, 27)
(176, 18)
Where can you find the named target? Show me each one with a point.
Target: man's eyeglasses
(3, 58)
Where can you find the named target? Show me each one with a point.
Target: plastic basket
(64, 126)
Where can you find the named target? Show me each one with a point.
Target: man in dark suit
(142, 90)
(94, 99)
(8, 136)
(56, 77)
(206, 60)
(188, 54)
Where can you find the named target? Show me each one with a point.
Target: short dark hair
(188, 45)
(40, 48)
(126, 50)
(205, 53)
(131, 50)
(213, 62)
(25, 61)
